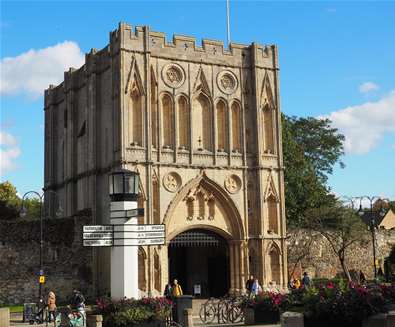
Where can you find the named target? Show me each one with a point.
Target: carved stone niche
(227, 82)
(173, 75)
(233, 184)
(172, 182)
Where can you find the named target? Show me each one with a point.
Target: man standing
(306, 280)
(249, 284)
(176, 290)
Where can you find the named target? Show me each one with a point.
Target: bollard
(4, 317)
(188, 321)
(292, 319)
(379, 320)
(94, 321)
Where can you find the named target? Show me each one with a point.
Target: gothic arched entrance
(200, 257)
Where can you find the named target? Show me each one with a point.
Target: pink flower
(330, 285)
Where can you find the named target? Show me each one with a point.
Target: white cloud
(9, 151)
(365, 125)
(368, 87)
(32, 71)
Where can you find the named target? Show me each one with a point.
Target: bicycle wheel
(207, 314)
(235, 314)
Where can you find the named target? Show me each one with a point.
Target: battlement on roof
(142, 38)
(182, 48)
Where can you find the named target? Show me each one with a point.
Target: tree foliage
(11, 204)
(340, 226)
(311, 147)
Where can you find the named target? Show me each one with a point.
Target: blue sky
(337, 59)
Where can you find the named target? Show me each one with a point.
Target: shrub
(127, 312)
(342, 305)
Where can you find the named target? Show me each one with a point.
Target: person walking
(168, 291)
(256, 288)
(176, 289)
(306, 280)
(249, 284)
(51, 303)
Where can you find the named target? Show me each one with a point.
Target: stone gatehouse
(201, 124)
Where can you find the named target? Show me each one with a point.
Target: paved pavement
(16, 321)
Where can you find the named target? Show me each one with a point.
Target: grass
(16, 308)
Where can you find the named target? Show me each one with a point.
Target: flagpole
(227, 21)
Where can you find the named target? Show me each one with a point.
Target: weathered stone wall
(67, 264)
(312, 253)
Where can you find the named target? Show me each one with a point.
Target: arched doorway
(200, 257)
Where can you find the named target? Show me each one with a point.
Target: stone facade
(67, 265)
(202, 127)
(312, 253)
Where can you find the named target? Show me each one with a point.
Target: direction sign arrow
(139, 242)
(97, 228)
(97, 236)
(97, 243)
(138, 212)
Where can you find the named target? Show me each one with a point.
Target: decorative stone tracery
(172, 182)
(233, 184)
(227, 82)
(173, 75)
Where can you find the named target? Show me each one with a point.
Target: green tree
(341, 227)
(11, 204)
(9, 201)
(310, 148)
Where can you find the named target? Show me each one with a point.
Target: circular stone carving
(172, 182)
(233, 184)
(173, 75)
(227, 82)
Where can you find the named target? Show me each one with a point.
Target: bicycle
(207, 311)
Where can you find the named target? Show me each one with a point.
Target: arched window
(272, 214)
(268, 133)
(274, 266)
(141, 269)
(183, 123)
(155, 201)
(236, 144)
(154, 115)
(157, 269)
(136, 117)
(167, 122)
(222, 133)
(202, 123)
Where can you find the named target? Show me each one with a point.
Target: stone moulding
(227, 82)
(173, 75)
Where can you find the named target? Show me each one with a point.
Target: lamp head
(123, 185)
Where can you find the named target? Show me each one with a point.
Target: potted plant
(264, 308)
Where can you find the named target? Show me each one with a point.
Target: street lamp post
(372, 215)
(23, 213)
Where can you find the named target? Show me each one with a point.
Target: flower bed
(147, 312)
(326, 305)
(344, 305)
